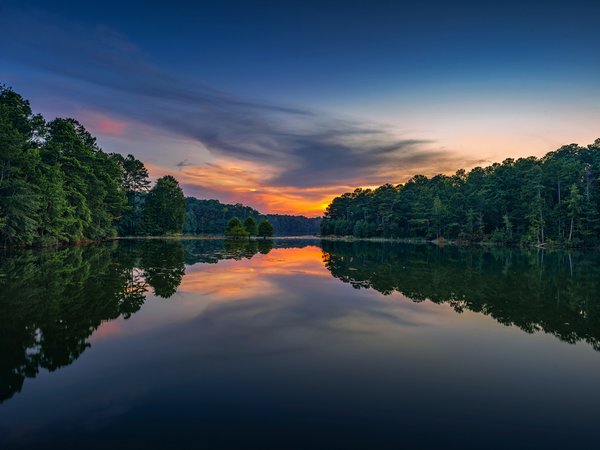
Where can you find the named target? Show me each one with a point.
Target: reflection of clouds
(226, 280)
(291, 295)
(250, 278)
(109, 328)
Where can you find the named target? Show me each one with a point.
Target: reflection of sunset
(107, 328)
(231, 279)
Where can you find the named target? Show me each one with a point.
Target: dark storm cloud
(103, 70)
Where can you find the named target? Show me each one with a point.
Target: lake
(298, 344)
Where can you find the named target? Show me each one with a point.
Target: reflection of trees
(554, 292)
(51, 301)
(212, 251)
(163, 265)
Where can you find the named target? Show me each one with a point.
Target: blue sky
(283, 104)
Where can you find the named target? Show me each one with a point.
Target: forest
(212, 217)
(58, 186)
(553, 200)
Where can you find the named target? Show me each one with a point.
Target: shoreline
(440, 243)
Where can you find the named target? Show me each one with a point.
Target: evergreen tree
(235, 229)
(250, 226)
(164, 208)
(265, 229)
(19, 194)
(135, 183)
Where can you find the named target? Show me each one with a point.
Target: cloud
(285, 146)
(249, 185)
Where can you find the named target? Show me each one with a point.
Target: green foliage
(235, 229)
(164, 211)
(134, 182)
(56, 185)
(211, 217)
(265, 229)
(530, 201)
(250, 226)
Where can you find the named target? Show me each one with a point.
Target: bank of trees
(212, 217)
(237, 230)
(58, 186)
(550, 200)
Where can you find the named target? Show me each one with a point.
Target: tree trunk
(571, 230)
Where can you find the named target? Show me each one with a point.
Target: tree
(235, 229)
(19, 194)
(250, 226)
(574, 208)
(437, 216)
(164, 208)
(475, 206)
(265, 229)
(135, 183)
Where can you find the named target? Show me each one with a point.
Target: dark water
(298, 344)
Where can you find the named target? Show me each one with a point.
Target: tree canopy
(57, 185)
(265, 229)
(211, 217)
(235, 229)
(250, 226)
(550, 200)
(164, 210)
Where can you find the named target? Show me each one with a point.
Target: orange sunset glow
(247, 278)
(248, 186)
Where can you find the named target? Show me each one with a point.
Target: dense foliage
(235, 229)
(164, 210)
(554, 199)
(212, 216)
(58, 186)
(265, 229)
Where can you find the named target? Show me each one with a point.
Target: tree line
(237, 230)
(529, 201)
(212, 217)
(58, 186)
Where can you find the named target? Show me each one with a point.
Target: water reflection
(551, 291)
(52, 301)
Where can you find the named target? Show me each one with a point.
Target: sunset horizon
(284, 129)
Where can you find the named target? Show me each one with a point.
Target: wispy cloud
(285, 146)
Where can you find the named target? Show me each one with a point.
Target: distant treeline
(212, 217)
(531, 201)
(57, 186)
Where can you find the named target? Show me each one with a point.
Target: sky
(283, 105)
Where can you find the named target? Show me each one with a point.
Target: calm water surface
(298, 344)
